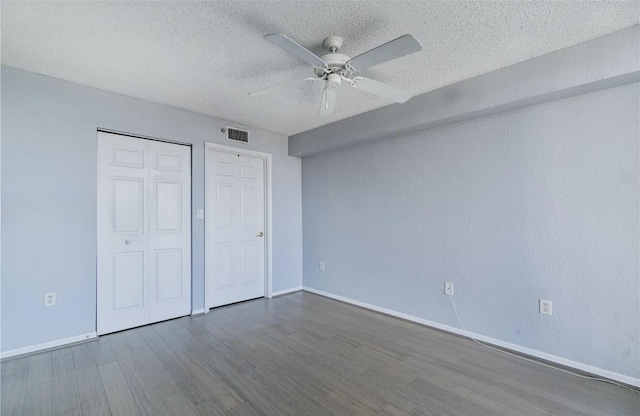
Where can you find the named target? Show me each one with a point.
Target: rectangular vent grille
(237, 135)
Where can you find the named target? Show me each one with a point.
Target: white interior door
(235, 227)
(144, 232)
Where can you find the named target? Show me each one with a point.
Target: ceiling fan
(333, 68)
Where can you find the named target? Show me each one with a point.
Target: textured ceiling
(206, 56)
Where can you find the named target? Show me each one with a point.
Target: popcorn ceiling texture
(205, 57)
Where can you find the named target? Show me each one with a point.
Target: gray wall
(49, 199)
(539, 202)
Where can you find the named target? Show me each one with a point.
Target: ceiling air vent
(237, 135)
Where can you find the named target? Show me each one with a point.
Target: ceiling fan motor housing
(335, 64)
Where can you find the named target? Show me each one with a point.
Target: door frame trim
(267, 157)
(139, 136)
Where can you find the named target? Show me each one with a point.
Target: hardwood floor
(299, 354)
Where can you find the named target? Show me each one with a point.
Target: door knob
(127, 242)
(260, 234)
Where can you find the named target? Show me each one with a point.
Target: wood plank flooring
(299, 354)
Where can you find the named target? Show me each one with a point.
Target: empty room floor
(299, 354)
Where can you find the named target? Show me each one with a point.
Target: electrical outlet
(321, 266)
(50, 299)
(448, 288)
(546, 307)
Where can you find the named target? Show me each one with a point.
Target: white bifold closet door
(144, 232)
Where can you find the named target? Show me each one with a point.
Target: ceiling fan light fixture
(333, 81)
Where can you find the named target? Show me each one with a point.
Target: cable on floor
(467, 333)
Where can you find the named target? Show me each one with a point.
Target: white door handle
(127, 242)
(260, 234)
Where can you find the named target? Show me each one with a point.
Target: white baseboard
(496, 342)
(200, 311)
(286, 291)
(47, 345)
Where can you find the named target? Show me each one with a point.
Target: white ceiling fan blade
(397, 48)
(278, 87)
(329, 99)
(383, 90)
(294, 48)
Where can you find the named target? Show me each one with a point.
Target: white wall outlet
(321, 266)
(448, 288)
(50, 299)
(546, 307)
(199, 214)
